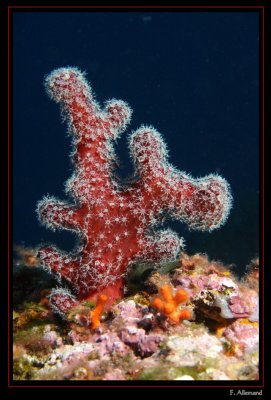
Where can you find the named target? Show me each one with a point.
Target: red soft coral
(115, 222)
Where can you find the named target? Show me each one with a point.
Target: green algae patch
(167, 372)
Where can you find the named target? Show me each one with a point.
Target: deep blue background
(193, 76)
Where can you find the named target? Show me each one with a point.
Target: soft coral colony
(117, 223)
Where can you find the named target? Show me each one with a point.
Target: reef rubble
(136, 340)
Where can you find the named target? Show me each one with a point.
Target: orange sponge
(96, 313)
(168, 303)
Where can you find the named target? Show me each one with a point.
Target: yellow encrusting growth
(95, 315)
(168, 303)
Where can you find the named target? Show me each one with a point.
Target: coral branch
(117, 224)
(62, 301)
(55, 214)
(161, 247)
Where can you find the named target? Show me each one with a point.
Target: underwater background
(194, 76)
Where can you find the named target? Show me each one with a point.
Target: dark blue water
(193, 76)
